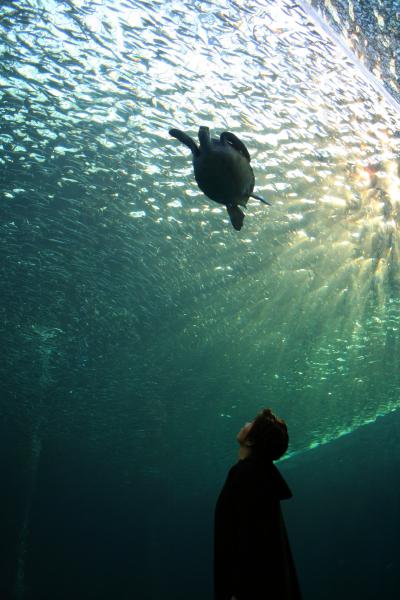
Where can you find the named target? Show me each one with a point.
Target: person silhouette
(252, 556)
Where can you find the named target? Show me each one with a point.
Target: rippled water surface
(131, 310)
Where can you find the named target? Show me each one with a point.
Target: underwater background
(139, 330)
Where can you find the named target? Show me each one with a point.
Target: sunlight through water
(168, 321)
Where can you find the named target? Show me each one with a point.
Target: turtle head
(204, 137)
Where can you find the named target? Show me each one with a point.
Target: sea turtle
(222, 170)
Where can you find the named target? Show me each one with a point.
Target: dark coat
(252, 557)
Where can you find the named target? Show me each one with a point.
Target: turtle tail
(185, 139)
(236, 216)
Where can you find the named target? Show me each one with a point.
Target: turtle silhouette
(222, 170)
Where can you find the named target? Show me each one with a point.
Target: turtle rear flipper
(261, 199)
(236, 216)
(185, 139)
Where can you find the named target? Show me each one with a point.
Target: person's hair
(268, 436)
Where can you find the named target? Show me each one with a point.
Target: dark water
(138, 329)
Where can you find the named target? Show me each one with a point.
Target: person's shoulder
(260, 475)
(243, 471)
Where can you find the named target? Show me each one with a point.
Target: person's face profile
(243, 433)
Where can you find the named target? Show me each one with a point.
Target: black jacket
(252, 557)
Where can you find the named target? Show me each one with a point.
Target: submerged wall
(344, 519)
(97, 536)
(371, 29)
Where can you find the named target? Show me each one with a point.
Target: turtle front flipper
(227, 136)
(236, 216)
(185, 139)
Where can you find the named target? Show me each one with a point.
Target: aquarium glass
(134, 319)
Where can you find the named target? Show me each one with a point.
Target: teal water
(108, 243)
(133, 316)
